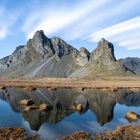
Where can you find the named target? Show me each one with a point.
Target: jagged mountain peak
(103, 59)
(40, 44)
(84, 52)
(105, 49)
(57, 40)
(39, 39)
(47, 47)
(39, 32)
(83, 56)
(43, 56)
(19, 48)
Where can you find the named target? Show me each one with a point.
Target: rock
(52, 89)
(3, 87)
(121, 133)
(81, 102)
(132, 116)
(132, 63)
(3, 63)
(44, 107)
(41, 44)
(127, 132)
(12, 133)
(77, 107)
(78, 136)
(16, 134)
(32, 107)
(61, 48)
(30, 88)
(26, 102)
(104, 50)
(16, 58)
(103, 59)
(41, 107)
(82, 57)
(43, 57)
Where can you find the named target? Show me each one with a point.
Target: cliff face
(103, 58)
(43, 57)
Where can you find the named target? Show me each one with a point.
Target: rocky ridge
(132, 63)
(53, 57)
(103, 58)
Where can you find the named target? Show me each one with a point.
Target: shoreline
(109, 84)
(126, 132)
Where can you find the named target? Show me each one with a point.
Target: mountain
(41, 56)
(53, 57)
(132, 63)
(103, 58)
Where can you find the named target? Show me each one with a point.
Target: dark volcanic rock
(103, 59)
(61, 48)
(3, 62)
(14, 59)
(17, 57)
(132, 63)
(104, 50)
(41, 56)
(53, 57)
(83, 57)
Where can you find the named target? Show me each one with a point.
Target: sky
(80, 23)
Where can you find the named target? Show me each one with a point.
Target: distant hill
(53, 57)
(132, 63)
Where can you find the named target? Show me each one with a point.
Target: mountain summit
(103, 58)
(53, 57)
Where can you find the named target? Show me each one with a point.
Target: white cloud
(103, 16)
(55, 19)
(88, 20)
(124, 33)
(6, 21)
(3, 32)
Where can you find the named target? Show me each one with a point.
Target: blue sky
(79, 22)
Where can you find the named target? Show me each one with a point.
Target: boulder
(132, 116)
(81, 100)
(44, 107)
(26, 102)
(32, 107)
(30, 88)
(80, 103)
(3, 87)
(77, 107)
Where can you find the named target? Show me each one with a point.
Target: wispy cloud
(54, 19)
(7, 19)
(90, 21)
(110, 13)
(122, 33)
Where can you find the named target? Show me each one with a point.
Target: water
(104, 111)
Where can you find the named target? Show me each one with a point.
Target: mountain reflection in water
(99, 106)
